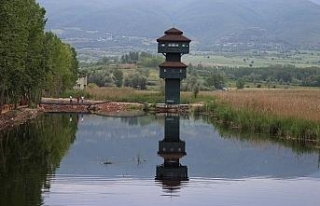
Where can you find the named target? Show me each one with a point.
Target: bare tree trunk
(1, 99)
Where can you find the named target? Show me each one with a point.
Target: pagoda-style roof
(172, 155)
(177, 65)
(173, 35)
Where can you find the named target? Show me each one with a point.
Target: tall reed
(298, 103)
(291, 114)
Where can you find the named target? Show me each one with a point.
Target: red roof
(173, 35)
(174, 31)
(177, 65)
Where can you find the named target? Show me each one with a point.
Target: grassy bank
(132, 95)
(290, 114)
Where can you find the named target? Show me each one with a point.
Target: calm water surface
(60, 160)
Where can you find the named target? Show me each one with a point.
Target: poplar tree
(31, 61)
(13, 41)
(35, 72)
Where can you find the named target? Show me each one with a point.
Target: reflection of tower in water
(173, 45)
(171, 173)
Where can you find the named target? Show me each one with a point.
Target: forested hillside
(210, 23)
(32, 61)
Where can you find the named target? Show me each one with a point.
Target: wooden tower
(173, 45)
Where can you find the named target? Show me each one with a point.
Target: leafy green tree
(214, 80)
(240, 84)
(191, 82)
(149, 60)
(196, 90)
(132, 57)
(136, 81)
(13, 41)
(30, 59)
(100, 78)
(35, 72)
(61, 61)
(118, 77)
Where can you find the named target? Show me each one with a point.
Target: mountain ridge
(208, 22)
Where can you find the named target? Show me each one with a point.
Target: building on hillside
(81, 83)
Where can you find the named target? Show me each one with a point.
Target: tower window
(173, 45)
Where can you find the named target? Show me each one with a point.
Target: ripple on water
(93, 190)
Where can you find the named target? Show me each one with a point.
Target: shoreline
(14, 118)
(225, 116)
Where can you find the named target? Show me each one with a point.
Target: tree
(13, 41)
(196, 90)
(35, 72)
(191, 82)
(215, 80)
(30, 59)
(118, 77)
(61, 62)
(136, 81)
(240, 84)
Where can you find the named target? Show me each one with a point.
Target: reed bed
(301, 104)
(291, 114)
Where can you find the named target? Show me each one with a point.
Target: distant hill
(209, 22)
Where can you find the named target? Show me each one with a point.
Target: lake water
(61, 160)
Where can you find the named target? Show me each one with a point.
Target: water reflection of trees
(30, 154)
(139, 120)
(147, 119)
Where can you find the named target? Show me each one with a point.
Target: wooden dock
(172, 108)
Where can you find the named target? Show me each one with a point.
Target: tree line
(217, 77)
(32, 62)
(142, 59)
(108, 72)
(106, 77)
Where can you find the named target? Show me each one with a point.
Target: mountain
(210, 23)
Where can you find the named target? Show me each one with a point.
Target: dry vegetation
(300, 103)
(286, 113)
(121, 94)
(297, 103)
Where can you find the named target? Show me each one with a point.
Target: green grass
(299, 59)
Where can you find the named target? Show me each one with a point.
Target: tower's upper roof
(173, 35)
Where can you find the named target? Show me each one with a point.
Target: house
(81, 83)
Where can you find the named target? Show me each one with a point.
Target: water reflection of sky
(249, 191)
(123, 142)
(222, 171)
